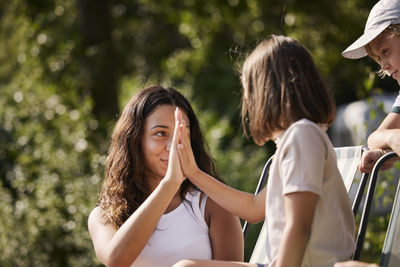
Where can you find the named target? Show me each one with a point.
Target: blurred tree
(99, 57)
(49, 171)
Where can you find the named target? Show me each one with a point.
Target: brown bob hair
(124, 187)
(281, 84)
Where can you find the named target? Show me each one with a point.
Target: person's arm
(225, 233)
(384, 139)
(299, 210)
(245, 205)
(121, 247)
(387, 135)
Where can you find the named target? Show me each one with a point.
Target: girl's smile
(157, 138)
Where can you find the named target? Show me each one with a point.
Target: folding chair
(391, 248)
(348, 159)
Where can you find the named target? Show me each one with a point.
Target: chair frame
(260, 186)
(392, 233)
(368, 204)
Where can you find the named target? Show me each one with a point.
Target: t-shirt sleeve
(302, 160)
(396, 105)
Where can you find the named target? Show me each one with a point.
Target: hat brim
(357, 49)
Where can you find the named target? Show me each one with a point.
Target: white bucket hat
(382, 15)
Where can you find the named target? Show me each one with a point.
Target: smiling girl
(381, 41)
(149, 214)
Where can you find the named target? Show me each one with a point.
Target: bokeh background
(68, 67)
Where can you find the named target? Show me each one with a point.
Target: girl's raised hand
(188, 162)
(174, 171)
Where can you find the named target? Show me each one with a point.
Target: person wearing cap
(381, 41)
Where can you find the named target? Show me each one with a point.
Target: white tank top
(180, 234)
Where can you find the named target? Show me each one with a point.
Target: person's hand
(370, 157)
(188, 162)
(355, 264)
(393, 140)
(174, 171)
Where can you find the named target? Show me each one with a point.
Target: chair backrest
(368, 204)
(391, 247)
(348, 159)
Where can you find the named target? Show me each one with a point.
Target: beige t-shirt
(305, 161)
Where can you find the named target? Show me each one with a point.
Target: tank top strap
(203, 204)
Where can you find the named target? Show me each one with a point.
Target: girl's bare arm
(299, 210)
(245, 205)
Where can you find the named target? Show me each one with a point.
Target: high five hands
(188, 163)
(174, 171)
(181, 163)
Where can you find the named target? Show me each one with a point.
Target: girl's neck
(152, 182)
(277, 135)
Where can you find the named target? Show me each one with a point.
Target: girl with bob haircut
(149, 214)
(307, 210)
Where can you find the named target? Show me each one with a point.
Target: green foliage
(50, 177)
(53, 145)
(50, 169)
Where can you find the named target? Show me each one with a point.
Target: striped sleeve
(396, 105)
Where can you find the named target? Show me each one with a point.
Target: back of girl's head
(124, 187)
(281, 84)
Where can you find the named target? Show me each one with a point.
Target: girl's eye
(385, 52)
(160, 133)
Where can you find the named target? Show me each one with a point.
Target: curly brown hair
(124, 187)
(281, 84)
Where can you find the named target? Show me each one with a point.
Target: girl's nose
(385, 65)
(168, 147)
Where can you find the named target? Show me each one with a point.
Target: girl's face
(387, 48)
(156, 140)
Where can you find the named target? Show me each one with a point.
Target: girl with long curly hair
(149, 214)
